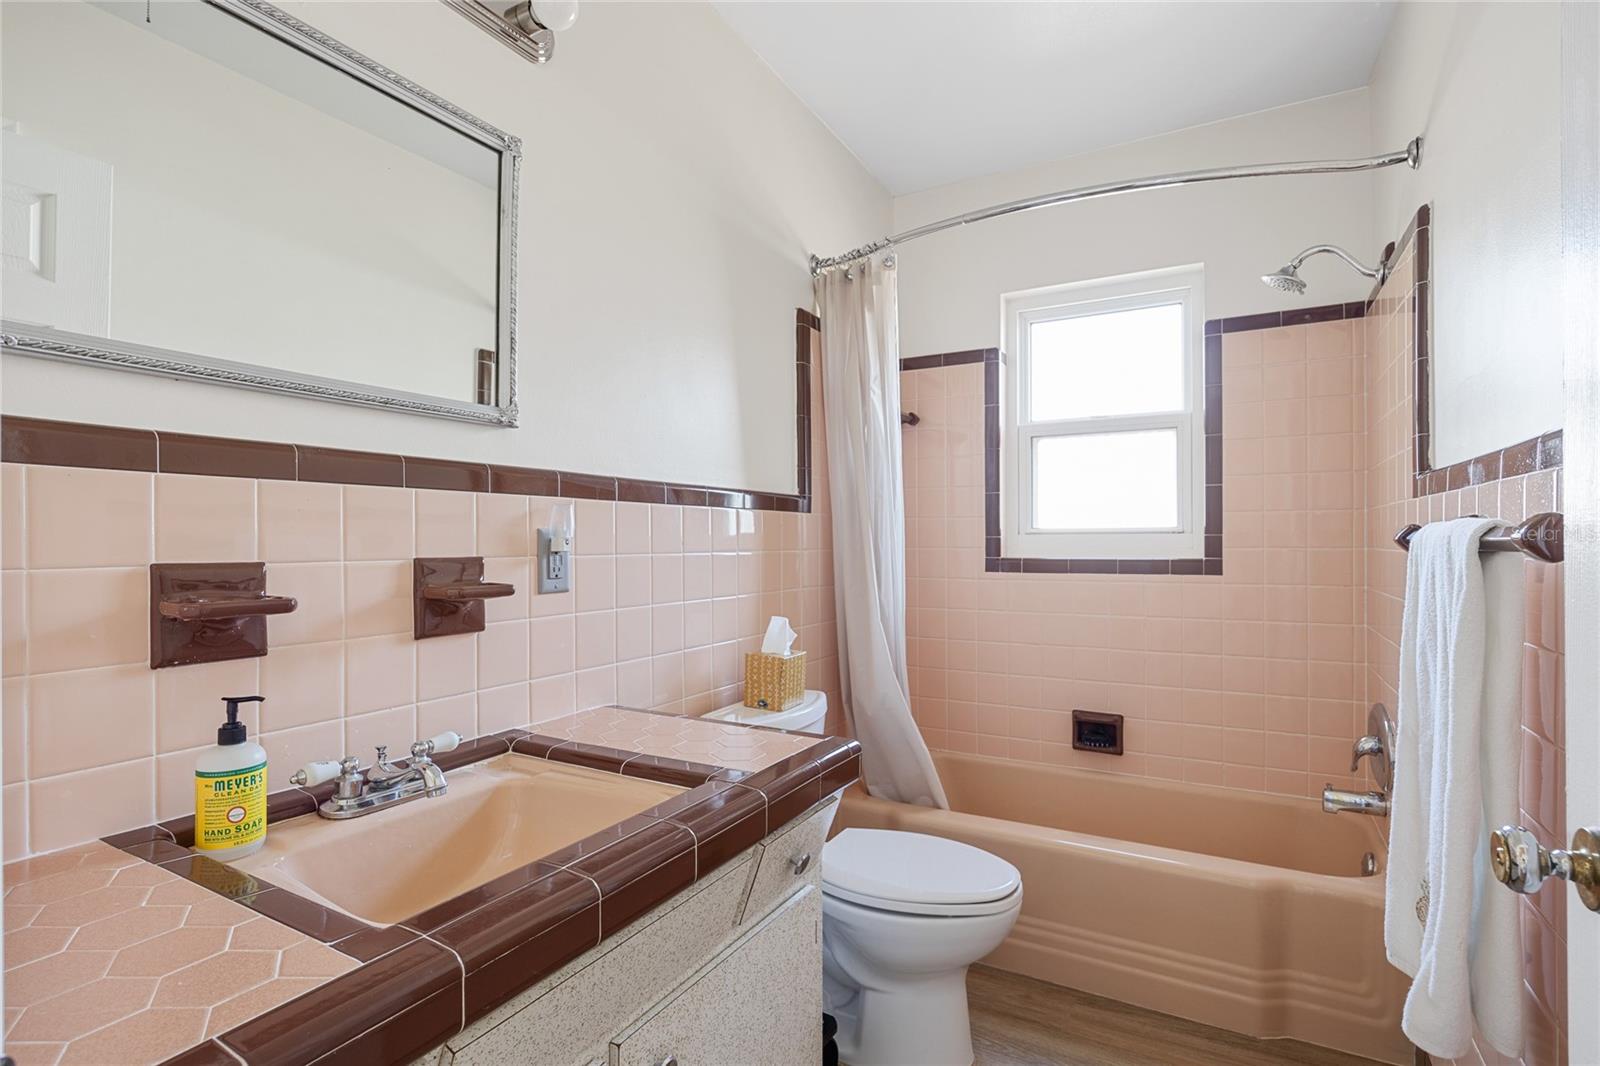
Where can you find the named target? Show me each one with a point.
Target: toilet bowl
(903, 916)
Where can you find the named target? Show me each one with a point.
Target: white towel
(1446, 922)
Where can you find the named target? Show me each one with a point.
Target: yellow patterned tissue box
(774, 682)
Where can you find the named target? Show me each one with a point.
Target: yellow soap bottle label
(230, 807)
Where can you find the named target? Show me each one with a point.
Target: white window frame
(1186, 540)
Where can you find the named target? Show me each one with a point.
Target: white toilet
(903, 916)
(806, 716)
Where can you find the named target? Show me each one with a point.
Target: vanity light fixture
(528, 27)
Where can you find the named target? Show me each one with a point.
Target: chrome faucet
(1377, 745)
(383, 784)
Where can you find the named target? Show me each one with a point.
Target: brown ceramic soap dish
(448, 595)
(210, 612)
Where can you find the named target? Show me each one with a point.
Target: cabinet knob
(800, 864)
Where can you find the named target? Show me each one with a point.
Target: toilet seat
(913, 873)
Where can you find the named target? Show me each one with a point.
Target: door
(55, 236)
(1580, 211)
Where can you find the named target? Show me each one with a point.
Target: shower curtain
(861, 406)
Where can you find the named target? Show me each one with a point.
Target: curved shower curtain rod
(1410, 155)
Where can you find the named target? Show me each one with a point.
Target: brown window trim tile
(996, 562)
(467, 955)
(50, 443)
(1543, 452)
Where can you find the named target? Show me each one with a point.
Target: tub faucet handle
(1364, 748)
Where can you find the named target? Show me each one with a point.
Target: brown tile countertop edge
(426, 978)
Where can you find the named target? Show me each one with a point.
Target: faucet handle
(1366, 746)
(437, 744)
(315, 773)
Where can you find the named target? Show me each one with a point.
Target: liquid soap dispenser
(230, 790)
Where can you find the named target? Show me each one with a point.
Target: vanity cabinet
(758, 1003)
(735, 957)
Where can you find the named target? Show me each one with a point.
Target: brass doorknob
(1523, 865)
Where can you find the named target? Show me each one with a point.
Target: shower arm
(1411, 155)
(1333, 249)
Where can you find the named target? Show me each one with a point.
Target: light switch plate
(555, 568)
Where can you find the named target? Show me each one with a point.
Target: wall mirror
(213, 189)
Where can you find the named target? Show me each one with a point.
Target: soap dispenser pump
(230, 790)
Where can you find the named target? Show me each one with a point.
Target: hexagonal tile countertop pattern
(677, 737)
(110, 959)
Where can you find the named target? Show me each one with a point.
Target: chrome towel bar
(1539, 536)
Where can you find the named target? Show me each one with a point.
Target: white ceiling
(926, 93)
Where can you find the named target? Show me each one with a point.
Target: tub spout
(1335, 800)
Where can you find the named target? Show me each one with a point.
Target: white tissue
(779, 638)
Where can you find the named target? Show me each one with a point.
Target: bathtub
(1236, 909)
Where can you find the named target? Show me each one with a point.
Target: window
(1104, 454)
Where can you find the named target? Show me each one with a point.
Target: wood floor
(1017, 1021)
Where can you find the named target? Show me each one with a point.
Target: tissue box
(774, 682)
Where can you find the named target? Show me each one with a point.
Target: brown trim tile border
(995, 562)
(49, 443)
(1210, 563)
(424, 979)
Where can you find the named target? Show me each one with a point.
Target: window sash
(1027, 436)
(1020, 536)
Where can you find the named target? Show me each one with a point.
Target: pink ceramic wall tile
(633, 529)
(290, 749)
(304, 684)
(502, 654)
(504, 707)
(204, 519)
(78, 517)
(188, 705)
(378, 598)
(446, 666)
(13, 516)
(380, 672)
(75, 619)
(71, 808)
(551, 643)
(596, 527)
(299, 521)
(378, 523)
(505, 523)
(445, 524)
(87, 718)
(452, 713)
(319, 590)
(694, 586)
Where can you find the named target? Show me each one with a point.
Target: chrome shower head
(1285, 280)
(1288, 279)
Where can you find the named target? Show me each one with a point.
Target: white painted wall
(951, 283)
(1481, 82)
(672, 187)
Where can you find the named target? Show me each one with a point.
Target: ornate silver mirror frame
(102, 351)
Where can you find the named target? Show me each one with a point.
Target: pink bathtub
(1232, 908)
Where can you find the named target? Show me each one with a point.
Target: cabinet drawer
(788, 861)
(759, 1003)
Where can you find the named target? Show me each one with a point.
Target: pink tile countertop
(112, 959)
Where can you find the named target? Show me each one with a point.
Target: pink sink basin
(498, 814)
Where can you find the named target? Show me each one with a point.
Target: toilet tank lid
(810, 710)
(903, 867)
